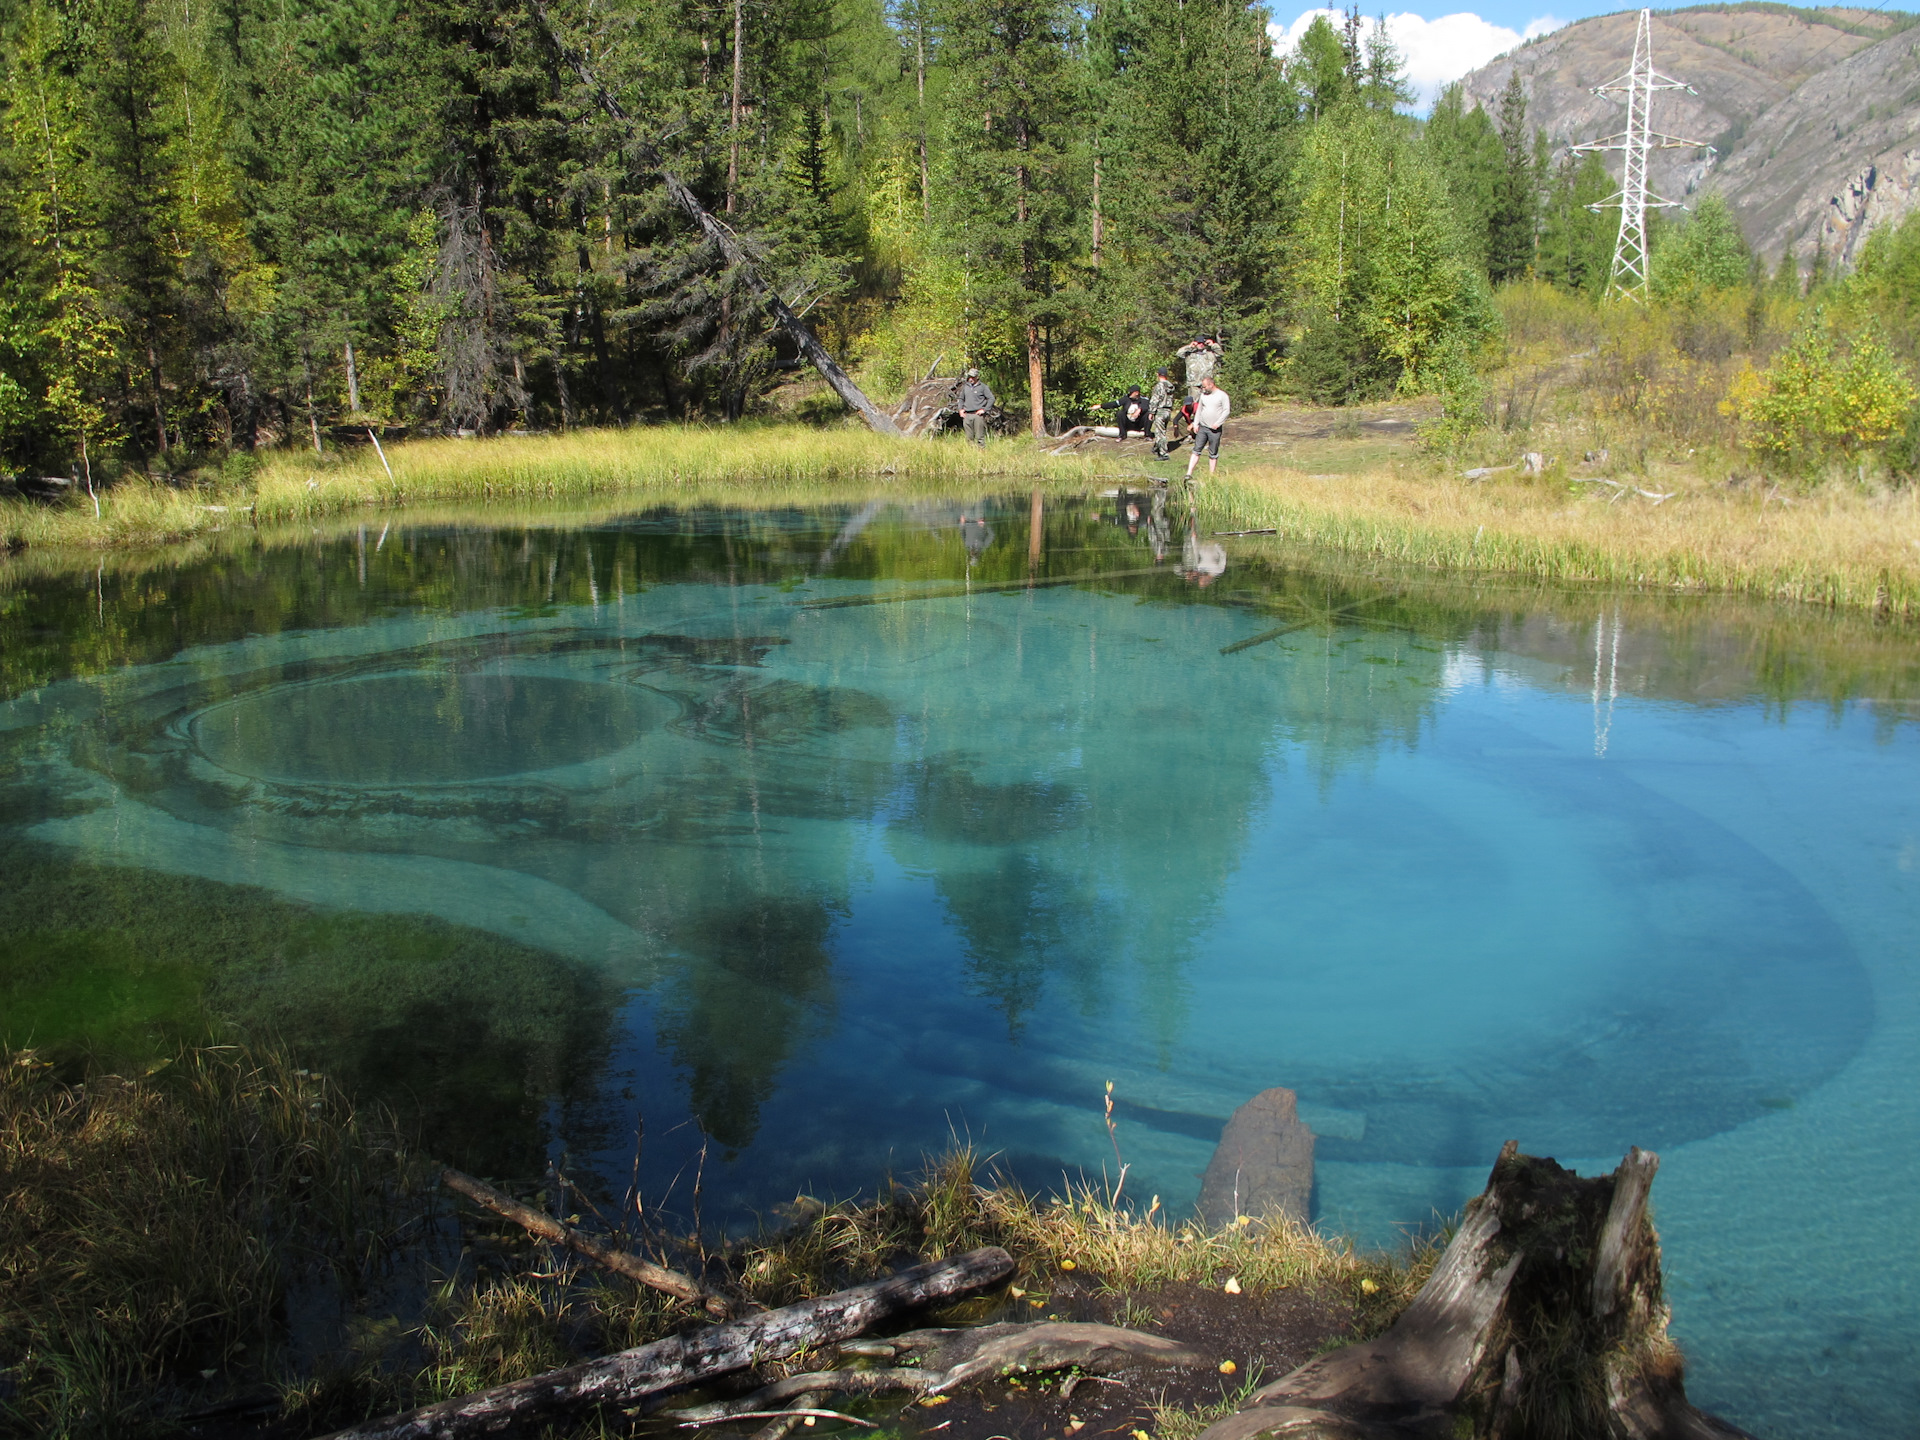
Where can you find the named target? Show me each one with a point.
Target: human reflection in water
(976, 535)
(1159, 530)
(1201, 562)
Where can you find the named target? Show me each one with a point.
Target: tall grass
(677, 464)
(1832, 547)
(151, 1228)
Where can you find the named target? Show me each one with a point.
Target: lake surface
(832, 836)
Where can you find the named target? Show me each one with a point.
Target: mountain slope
(1816, 114)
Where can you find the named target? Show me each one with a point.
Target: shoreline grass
(679, 464)
(155, 1224)
(1836, 547)
(1830, 548)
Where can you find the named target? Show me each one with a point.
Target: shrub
(1819, 400)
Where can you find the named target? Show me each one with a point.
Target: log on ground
(633, 1375)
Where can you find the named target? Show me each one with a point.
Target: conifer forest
(231, 224)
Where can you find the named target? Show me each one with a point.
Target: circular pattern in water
(423, 727)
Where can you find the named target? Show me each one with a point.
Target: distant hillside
(1816, 113)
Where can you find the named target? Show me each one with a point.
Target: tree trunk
(353, 383)
(1036, 378)
(1544, 1319)
(633, 1375)
(1099, 230)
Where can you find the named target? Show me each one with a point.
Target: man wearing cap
(1203, 358)
(972, 398)
(1160, 407)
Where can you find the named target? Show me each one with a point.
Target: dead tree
(1543, 1321)
(633, 1376)
(723, 238)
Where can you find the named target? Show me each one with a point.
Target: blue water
(834, 882)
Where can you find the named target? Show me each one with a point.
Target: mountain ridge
(1815, 113)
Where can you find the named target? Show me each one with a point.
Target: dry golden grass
(675, 464)
(1833, 546)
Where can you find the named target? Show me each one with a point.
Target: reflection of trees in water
(1100, 883)
(759, 983)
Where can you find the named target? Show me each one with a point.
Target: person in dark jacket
(1134, 412)
(973, 399)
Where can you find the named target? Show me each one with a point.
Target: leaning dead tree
(723, 238)
(1543, 1320)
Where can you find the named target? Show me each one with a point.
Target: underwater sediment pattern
(827, 867)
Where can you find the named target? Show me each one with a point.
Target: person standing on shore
(1160, 407)
(973, 398)
(1203, 358)
(1210, 413)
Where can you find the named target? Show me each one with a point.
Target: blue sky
(1441, 43)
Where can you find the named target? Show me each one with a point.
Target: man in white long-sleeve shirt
(1209, 419)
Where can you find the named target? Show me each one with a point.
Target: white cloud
(1437, 52)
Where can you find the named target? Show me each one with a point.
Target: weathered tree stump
(1543, 1321)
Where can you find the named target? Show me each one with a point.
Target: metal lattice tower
(1635, 142)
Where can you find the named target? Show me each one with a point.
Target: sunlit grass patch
(679, 464)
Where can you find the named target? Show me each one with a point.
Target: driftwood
(953, 1357)
(1544, 1318)
(658, 1277)
(724, 239)
(634, 1375)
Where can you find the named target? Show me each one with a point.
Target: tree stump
(1543, 1321)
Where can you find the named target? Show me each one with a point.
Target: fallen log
(633, 1375)
(608, 1257)
(952, 1357)
(1544, 1318)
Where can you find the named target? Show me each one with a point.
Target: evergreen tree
(1013, 114)
(1465, 149)
(1202, 230)
(1319, 69)
(1513, 217)
(1576, 242)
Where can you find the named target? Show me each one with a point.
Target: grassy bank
(224, 1229)
(1831, 547)
(679, 465)
(1835, 545)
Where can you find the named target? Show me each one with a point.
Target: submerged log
(1544, 1318)
(608, 1257)
(633, 1375)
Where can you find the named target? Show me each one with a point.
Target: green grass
(154, 1225)
(682, 465)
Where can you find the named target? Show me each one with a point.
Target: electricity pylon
(1638, 84)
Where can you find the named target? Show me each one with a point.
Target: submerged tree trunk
(1544, 1320)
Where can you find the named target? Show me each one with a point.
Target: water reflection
(822, 835)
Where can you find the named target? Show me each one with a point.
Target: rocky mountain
(1815, 114)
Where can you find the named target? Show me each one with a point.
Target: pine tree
(1576, 242)
(1012, 118)
(1203, 232)
(1513, 218)
(1466, 151)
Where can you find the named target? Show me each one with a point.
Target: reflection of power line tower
(1638, 85)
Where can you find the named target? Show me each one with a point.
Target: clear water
(829, 837)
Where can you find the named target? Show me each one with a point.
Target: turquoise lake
(826, 837)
